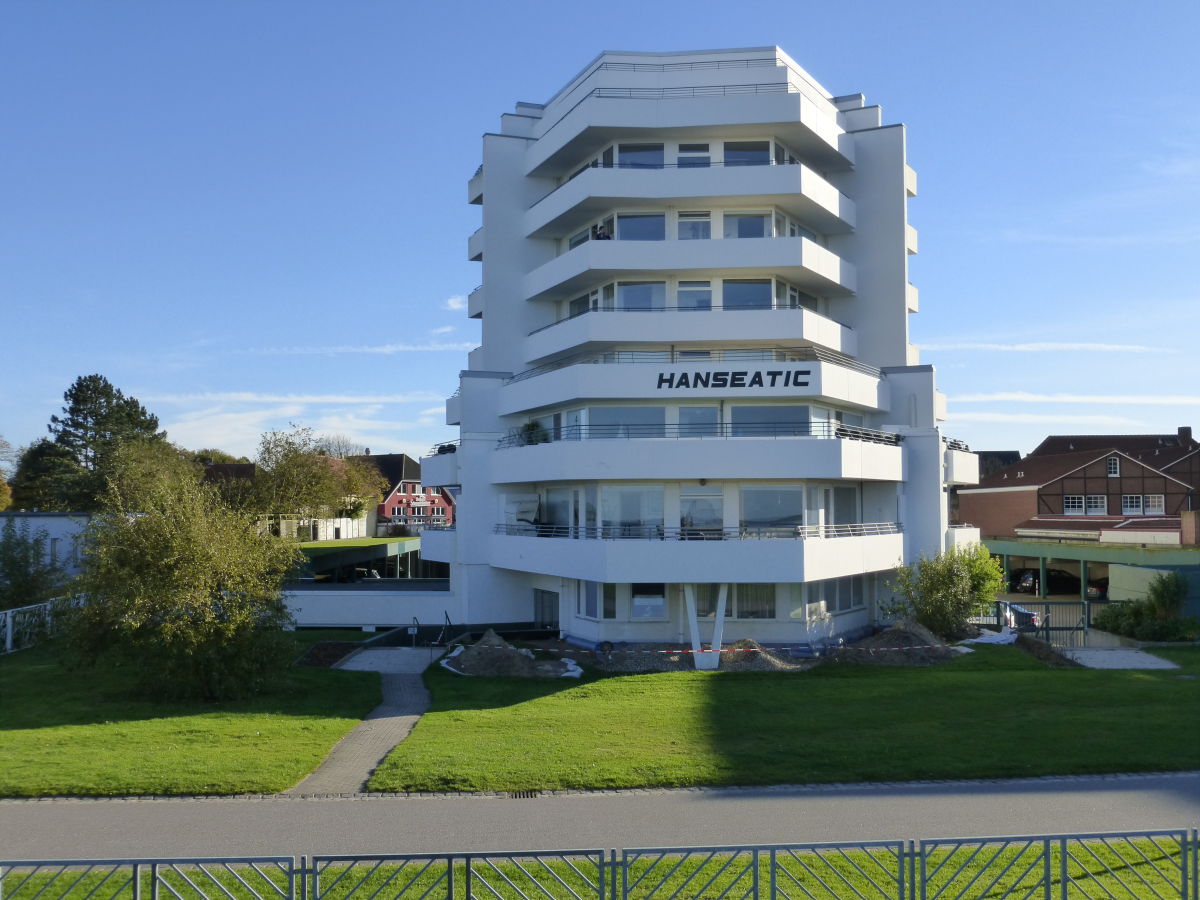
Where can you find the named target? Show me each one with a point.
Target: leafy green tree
(96, 419)
(213, 455)
(28, 573)
(5, 495)
(47, 478)
(942, 592)
(181, 588)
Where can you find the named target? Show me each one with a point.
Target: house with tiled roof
(409, 505)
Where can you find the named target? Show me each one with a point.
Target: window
(768, 421)
(1097, 504)
(784, 156)
(706, 600)
(746, 293)
(694, 295)
(580, 305)
(754, 601)
(596, 601)
(648, 601)
(640, 156)
(700, 511)
(790, 297)
(579, 238)
(747, 225)
(772, 511)
(841, 594)
(642, 227)
(695, 226)
(641, 295)
(1114, 467)
(626, 421)
(694, 156)
(698, 421)
(747, 153)
(1073, 504)
(629, 511)
(609, 598)
(1131, 504)
(1154, 504)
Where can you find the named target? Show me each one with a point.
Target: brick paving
(346, 770)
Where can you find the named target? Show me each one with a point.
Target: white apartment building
(696, 415)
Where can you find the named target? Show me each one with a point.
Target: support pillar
(1083, 580)
(1042, 577)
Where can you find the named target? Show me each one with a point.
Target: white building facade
(695, 416)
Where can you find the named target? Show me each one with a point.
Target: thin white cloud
(1046, 347)
(251, 397)
(445, 329)
(455, 303)
(1040, 419)
(1066, 238)
(375, 350)
(1106, 399)
(432, 411)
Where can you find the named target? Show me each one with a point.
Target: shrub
(944, 591)
(1156, 618)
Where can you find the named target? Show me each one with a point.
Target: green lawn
(994, 713)
(79, 733)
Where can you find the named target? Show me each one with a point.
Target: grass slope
(993, 713)
(68, 732)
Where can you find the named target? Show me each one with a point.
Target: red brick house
(409, 504)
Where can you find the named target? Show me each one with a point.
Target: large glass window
(640, 156)
(648, 601)
(642, 227)
(1131, 504)
(700, 512)
(746, 293)
(754, 601)
(694, 295)
(694, 156)
(626, 421)
(747, 153)
(1097, 504)
(769, 421)
(631, 511)
(698, 421)
(556, 512)
(773, 511)
(706, 600)
(695, 226)
(1155, 504)
(641, 295)
(747, 225)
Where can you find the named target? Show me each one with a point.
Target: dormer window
(1114, 467)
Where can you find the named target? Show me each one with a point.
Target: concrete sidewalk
(346, 770)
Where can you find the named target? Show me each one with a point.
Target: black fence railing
(644, 532)
(826, 430)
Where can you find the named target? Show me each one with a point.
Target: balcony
(958, 536)
(962, 466)
(475, 187)
(674, 375)
(912, 298)
(669, 452)
(682, 326)
(654, 554)
(804, 263)
(911, 242)
(441, 468)
(454, 409)
(475, 246)
(795, 188)
(475, 303)
(439, 543)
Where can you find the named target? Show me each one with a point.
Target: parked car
(1098, 589)
(1057, 582)
(1017, 617)
(1015, 576)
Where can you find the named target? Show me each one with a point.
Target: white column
(713, 660)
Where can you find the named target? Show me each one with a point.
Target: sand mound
(903, 644)
(751, 656)
(492, 656)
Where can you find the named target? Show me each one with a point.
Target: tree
(212, 455)
(47, 478)
(96, 419)
(340, 446)
(28, 572)
(181, 588)
(5, 495)
(8, 457)
(942, 592)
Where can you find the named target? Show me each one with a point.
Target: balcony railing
(659, 357)
(825, 430)
(443, 447)
(677, 309)
(640, 532)
(956, 444)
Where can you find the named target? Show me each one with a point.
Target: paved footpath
(371, 824)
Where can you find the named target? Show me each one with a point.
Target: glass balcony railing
(826, 430)
(636, 531)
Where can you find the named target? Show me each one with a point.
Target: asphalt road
(365, 825)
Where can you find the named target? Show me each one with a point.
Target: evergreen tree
(48, 478)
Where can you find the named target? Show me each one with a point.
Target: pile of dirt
(325, 654)
(903, 644)
(640, 658)
(492, 656)
(751, 656)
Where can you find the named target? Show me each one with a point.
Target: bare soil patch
(903, 644)
(492, 656)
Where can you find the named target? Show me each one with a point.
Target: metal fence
(1144, 865)
(24, 626)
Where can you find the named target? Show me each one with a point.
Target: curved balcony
(674, 375)
(654, 554)
(439, 543)
(679, 326)
(441, 468)
(794, 188)
(802, 262)
(818, 450)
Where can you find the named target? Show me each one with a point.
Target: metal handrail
(444, 447)
(659, 357)
(715, 307)
(956, 444)
(639, 532)
(824, 430)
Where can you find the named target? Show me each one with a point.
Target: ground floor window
(648, 601)
(596, 600)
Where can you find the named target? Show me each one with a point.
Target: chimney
(1185, 435)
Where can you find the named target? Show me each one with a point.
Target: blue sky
(252, 213)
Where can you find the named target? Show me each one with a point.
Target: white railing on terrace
(639, 532)
(688, 357)
(715, 307)
(24, 626)
(825, 430)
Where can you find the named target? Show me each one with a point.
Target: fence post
(771, 878)
(1048, 892)
(449, 878)
(8, 631)
(304, 874)
(137, 881)
(754, 880)
(467, 877)
(153, 881)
